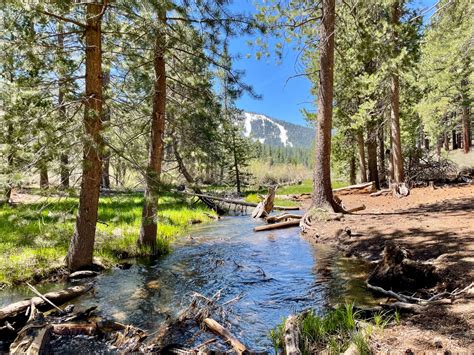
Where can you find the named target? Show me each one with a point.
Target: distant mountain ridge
(274, 132)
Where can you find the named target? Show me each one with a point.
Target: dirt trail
(435, 226)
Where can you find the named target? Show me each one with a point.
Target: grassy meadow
(34, 236)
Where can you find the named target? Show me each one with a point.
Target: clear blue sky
(282, 98)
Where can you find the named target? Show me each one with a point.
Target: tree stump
(264, 208)
(398, 273)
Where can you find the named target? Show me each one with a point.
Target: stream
(276, 273)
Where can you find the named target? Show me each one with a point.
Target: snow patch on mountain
(254, 117)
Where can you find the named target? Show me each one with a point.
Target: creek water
(275, 273)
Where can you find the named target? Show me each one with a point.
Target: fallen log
(265, 207)
(381, 192)
(282, 217)
(220, 330)
(239, 202)
(364, 188)
(15, 313)
(287, 224)
(356, 209)
(75, 329)
(291, 336)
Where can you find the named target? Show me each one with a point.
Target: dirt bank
(435, 226)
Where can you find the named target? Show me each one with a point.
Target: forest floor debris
(433, 226)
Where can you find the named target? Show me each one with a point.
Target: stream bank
(433, 226)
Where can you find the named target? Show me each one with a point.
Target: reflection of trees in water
(340, 279)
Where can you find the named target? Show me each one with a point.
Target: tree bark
(446, 141)
(105, 183)
(382, 167)
(372, 154)
(148, 230)
(399, 175)
(44, 178)
(64, 157)
(10, 161)
(82, 244)
(362, 164)
(322, 190)
(236, 165)
(352, 170)
(466, 125)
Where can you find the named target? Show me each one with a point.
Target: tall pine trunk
(10, 161)
(352, 170)
(148, 230)
(82, 244)
(466, 121)
(64, 157)
(382, 167)
(44, 176)
(372, 154)
(105, 183)
(236, 164)
(361, 149)
(322, 190)
(398, 173)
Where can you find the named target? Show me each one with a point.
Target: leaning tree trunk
(82, 244)
(64, 158)
(361, 147)
(399, 175)
(148, 230)
(372, 154)
(322, 190)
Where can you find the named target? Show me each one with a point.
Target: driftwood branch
(16, 312)
(415, 300)
(292, 336)
(282, 217)
(364, 188)
(223, 332)
(39, 294)
(287, 224)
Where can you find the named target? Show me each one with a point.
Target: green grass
(34, 237)
(333, 331)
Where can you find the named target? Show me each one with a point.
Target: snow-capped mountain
(275, 132)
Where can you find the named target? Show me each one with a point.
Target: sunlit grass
(332, 332)
(34, 237)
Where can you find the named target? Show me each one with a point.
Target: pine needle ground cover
(34, 237)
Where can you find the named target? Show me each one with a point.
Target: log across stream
(271, 275)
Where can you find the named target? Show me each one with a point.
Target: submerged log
(265, 207)
(365, 188)
(220, 330)
(16, 313)
(292, 336)
(287, 224)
